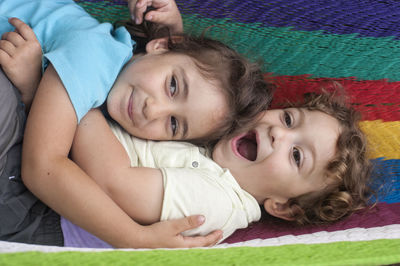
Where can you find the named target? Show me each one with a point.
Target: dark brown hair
(348, 173)
(241, 80)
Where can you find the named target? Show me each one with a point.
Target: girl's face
(284, 156)
(163, 96)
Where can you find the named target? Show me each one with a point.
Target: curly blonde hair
(349, 172)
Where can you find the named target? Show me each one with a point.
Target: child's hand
(167, 234)
(21, 59)
(165, 13)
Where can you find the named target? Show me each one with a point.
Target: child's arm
(138, 191)
(61, 184)
(165, 13)
(21, 59)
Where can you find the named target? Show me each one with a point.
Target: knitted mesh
(303, 43)
(306, 43)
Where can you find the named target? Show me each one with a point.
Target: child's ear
(159, 45)
(278, 209)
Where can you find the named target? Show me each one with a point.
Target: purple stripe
(367, 18)
(383, 214)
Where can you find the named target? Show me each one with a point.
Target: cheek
(111, 106)
(272, 172)
(114, 96)
(151, 132)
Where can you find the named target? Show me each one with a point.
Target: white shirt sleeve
(218, 198)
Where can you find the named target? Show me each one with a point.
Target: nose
(154, 109)
(278, 133)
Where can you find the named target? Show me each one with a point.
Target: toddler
(306, 163)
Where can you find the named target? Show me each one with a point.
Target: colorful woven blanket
(303, 43)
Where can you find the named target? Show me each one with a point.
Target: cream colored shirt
(193, 184)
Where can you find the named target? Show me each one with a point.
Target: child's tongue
(247, 149)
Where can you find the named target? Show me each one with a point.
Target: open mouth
(246, 146)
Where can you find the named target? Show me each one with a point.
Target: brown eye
(296, 156)
(173, 87)
(287, 119)
(174, 125)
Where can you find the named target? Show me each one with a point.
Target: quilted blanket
(303, 44)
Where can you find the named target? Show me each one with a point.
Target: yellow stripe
(383, 138)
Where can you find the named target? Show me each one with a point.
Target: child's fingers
(13, 37)
(195, 221)
(203, 241)
(140, 8)
(187, 223)
(159, 3)
(7, 47)
(4, 57)
(157, 17)
(132, 8)
(23, 29)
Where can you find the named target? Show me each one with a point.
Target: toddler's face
(284, 156)
(163, 96)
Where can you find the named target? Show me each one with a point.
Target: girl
(64, 96)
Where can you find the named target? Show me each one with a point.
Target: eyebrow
(302, 118)
(185, 94)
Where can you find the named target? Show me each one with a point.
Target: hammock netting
(304, 44)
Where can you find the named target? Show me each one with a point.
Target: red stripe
(375, 99)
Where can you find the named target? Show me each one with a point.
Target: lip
(130, 104)
(258, 142)
(235, 140)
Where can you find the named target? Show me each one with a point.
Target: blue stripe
(387, 178)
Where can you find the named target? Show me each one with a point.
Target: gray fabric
(22, 216)
(12, 118)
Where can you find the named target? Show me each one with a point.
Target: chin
(221, 152)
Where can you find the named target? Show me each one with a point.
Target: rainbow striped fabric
(303, 44)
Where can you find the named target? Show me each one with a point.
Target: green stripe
(377, 252)
(105, 12)
(290, 52)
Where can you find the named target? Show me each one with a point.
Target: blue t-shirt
(86, 54)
